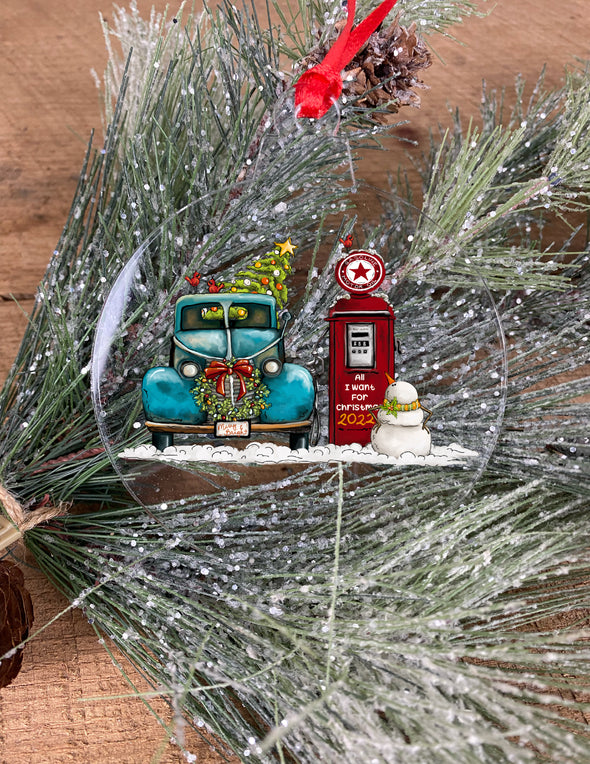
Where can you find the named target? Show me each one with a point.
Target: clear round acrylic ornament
(230, 357)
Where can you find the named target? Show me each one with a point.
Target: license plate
(240, 429)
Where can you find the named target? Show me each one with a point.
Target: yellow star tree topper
(286, 247)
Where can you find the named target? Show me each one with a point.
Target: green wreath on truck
(209, 391)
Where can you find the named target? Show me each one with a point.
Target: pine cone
(16, 618)
(383, 74)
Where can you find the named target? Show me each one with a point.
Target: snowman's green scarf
(392, 407)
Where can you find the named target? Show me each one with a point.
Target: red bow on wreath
(220, 370)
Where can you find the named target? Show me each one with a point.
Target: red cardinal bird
(194, 279)
(346, 242)
(213, 287)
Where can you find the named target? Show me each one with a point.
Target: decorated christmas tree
(267, 274)
(330, 612)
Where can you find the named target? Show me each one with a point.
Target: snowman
(400, 426)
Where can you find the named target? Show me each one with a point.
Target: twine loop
(19, 520)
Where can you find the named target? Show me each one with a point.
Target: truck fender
(291, 396)
(167, 397)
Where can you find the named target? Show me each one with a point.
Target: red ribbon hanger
(319, 87)
(219, 370)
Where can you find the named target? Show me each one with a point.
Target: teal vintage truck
(228, 375)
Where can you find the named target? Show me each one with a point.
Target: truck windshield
(257, 316)
(209, 315)
(202, 315)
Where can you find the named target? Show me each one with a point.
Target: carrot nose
(390, 379)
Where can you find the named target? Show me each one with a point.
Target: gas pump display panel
(360, 346)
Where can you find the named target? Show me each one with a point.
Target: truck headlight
(189, 369)
(272, 367)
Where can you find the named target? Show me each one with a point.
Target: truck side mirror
(284, 317)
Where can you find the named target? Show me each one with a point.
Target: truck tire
(298, 440)
(162, 440)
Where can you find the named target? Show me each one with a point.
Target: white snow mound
(270, 453)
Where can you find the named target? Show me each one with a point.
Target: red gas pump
(361, 348)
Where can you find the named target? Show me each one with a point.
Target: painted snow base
(270, 453)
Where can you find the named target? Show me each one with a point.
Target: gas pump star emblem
(360, 272)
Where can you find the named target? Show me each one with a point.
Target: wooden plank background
(48, 105)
